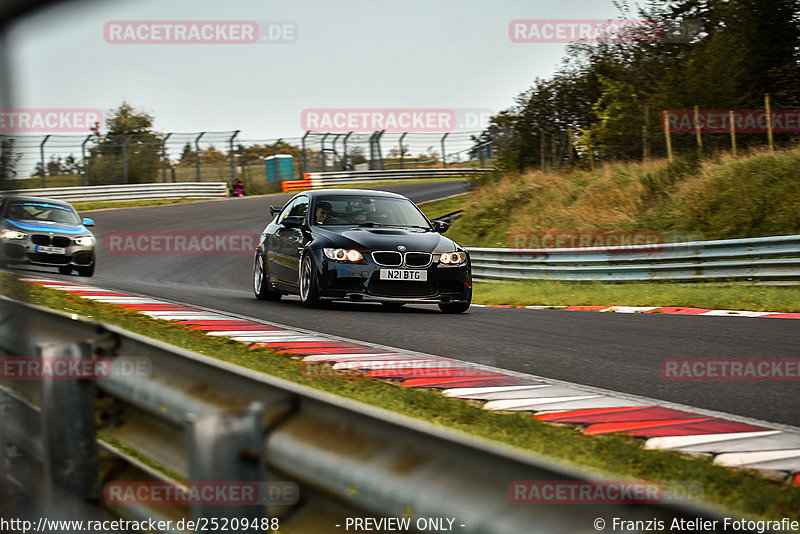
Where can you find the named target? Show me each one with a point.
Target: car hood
(47, 226)
(388, 239)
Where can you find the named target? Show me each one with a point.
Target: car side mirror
(440, 226)
(87, 221)
(294, 221)
(273, 210)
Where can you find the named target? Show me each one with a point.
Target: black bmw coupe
(358, 245)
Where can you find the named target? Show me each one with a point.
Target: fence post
(667, 136)
(83, 155)
(646, 133)
(41, 159)
(164, 158)
(542, 150)
(697, 128)
(68, 427)
(768, 108)
(197, 154)
(276, 169)
(305, 159)
(400, 143)
(322, 153)
(346, 137)
(733, 133)
(444, 151)
(125, 158)
(232, 155)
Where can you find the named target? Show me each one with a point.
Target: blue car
(47, 232)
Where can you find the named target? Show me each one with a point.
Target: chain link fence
(32, 161)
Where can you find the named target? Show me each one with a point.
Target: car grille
(49, 259)
(348, 283)
(395, 288)
(61, 241)
(388, 258)
(418, 259)
(40, 239)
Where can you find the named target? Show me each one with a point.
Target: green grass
(718, 197)
(739, 491)
(712, 295)
(445, 206)
(105, 204)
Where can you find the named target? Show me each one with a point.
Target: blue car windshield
(368, 211)
(41, 211)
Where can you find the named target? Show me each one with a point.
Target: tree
(8, 159)
(130, 140)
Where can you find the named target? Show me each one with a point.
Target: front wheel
(261, 281)
(309, 289)
(453, 307)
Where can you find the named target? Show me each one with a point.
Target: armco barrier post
(68, 428)
(227, 447)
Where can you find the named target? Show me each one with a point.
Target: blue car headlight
(12, 234)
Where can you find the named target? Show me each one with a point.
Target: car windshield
(368, 211)
(41, 211)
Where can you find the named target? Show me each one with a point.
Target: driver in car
(323, 212)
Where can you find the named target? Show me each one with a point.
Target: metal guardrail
(320, 180)
(130, 191)
(209, 420)
(756, 258)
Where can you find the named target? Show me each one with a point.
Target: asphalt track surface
(620, 352)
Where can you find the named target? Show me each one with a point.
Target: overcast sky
(452, 54)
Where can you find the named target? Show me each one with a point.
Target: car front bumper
(25, 251)
(361, 282)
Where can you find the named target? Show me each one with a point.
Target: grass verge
(105, 204)
(737, 491)
(445, 206)
(712, 295)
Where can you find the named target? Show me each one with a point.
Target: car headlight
(12, 234)
(84, 241)
(341, 254)
(453, 258)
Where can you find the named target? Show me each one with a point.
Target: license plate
(414, 275)
(51, 250)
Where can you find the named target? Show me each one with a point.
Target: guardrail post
(68, 427)
(228, 447)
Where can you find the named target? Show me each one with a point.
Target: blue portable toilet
(279, 167)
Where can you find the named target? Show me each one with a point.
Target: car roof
(24, 198)
(351, 192)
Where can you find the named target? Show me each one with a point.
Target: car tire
(453, 307)
(65, 269)
(261, 280)
(309, 288)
